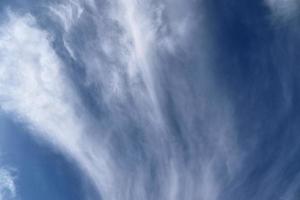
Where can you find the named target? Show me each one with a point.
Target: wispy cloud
(7, 184)
(132, 151)
(284, 10)
(34, 88)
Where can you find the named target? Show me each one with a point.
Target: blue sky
(142, 100)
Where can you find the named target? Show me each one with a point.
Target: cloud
(34, 88)
(7, 184)
(132, 151)
(124, 70)
(33, 85)
(284, 10)
(66, 14)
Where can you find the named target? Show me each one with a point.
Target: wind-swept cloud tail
(132, 135)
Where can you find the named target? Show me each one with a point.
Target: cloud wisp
(36, 91)
(7, 185)
(148, 141)
(284, 10)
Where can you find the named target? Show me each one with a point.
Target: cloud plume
(133, 138)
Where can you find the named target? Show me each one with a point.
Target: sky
(149, 100)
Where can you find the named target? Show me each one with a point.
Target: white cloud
(284, 9)
(35, 87)
(7, 184)
(66, 14)
(132, 45)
